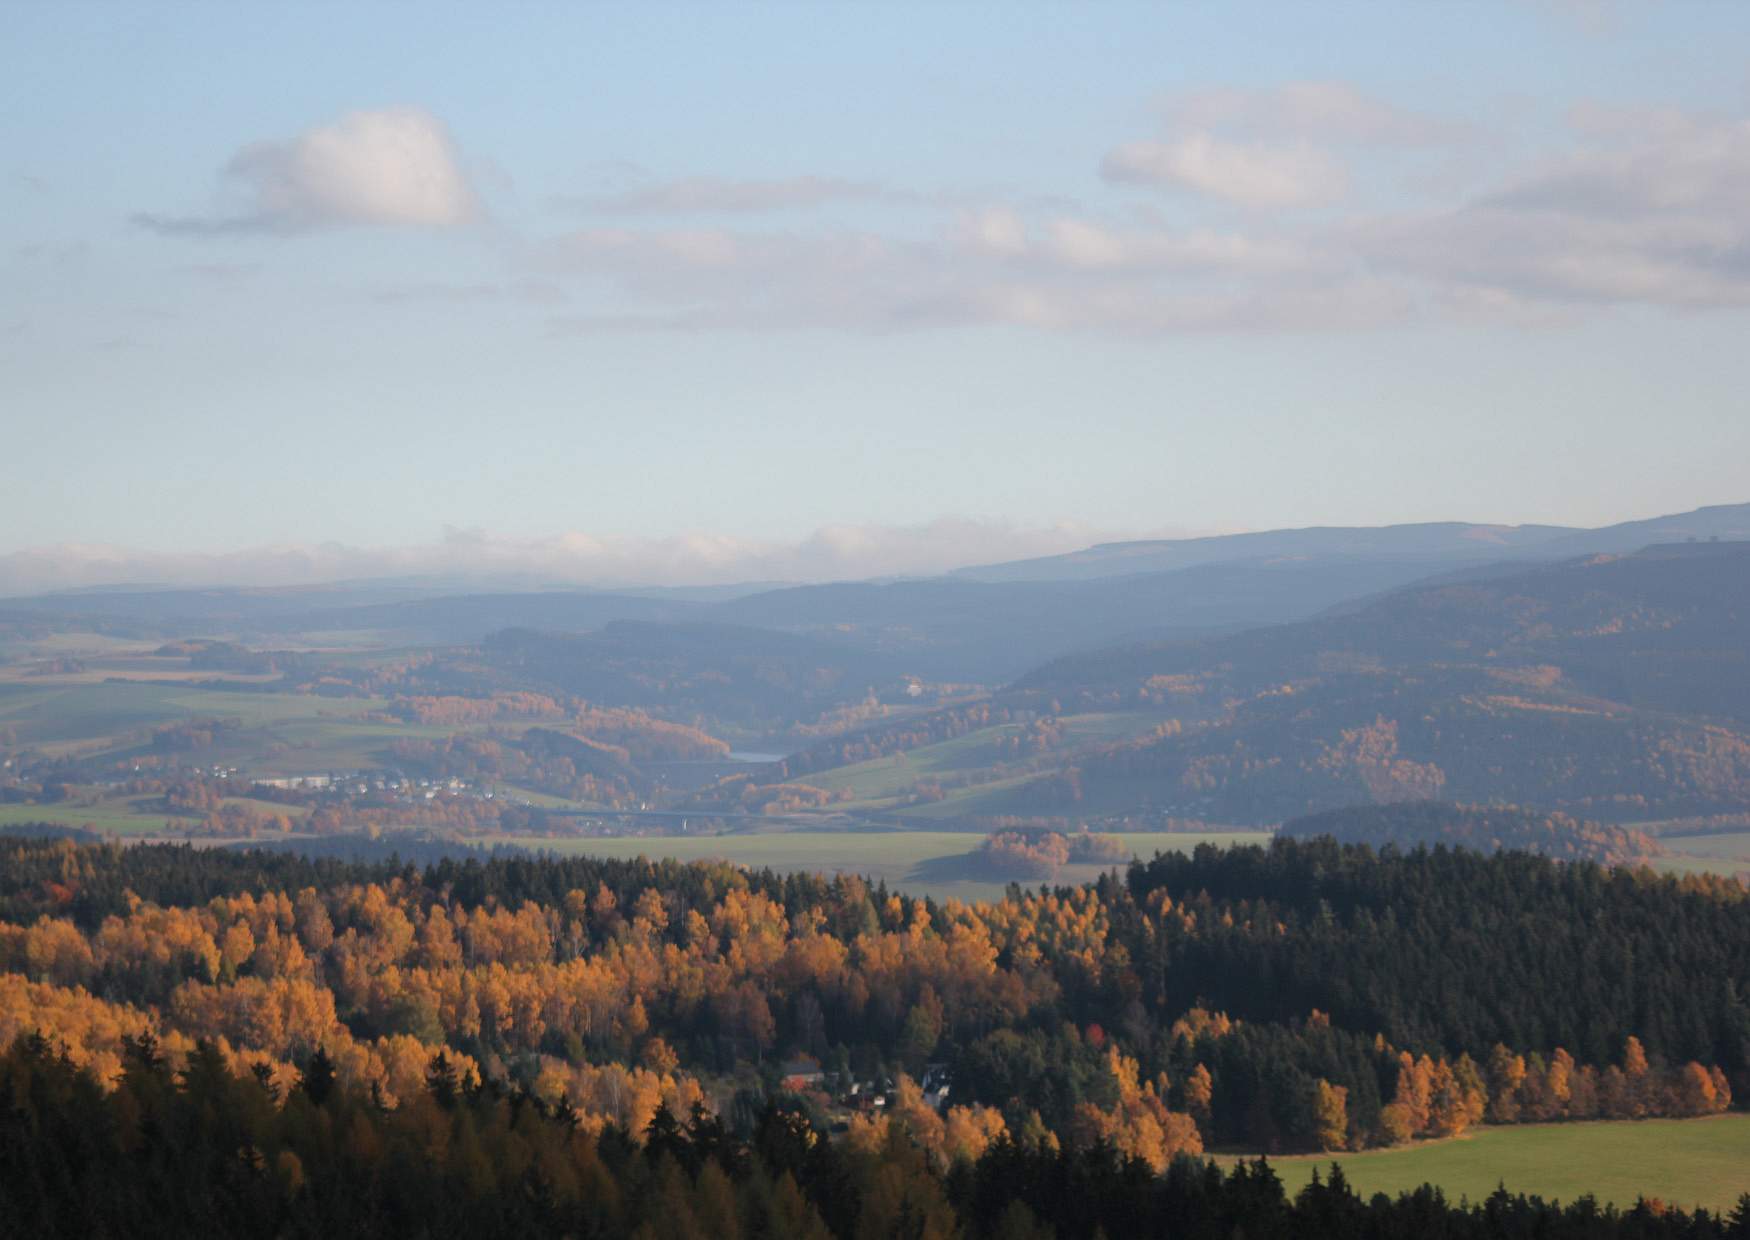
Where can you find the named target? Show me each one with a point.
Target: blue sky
(663, 292)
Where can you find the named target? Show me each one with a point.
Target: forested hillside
(1625, 626)
(1613, 687)
(746, 677)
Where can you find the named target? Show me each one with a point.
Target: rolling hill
(983, 625)
(1618, 686)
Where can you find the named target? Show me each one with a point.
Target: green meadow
(932, 863)
(1683, 1162)
(72, 708)
(877, 783)
(1725, 853)
(117, 816)
(282, 733)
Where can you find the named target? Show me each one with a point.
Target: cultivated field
(1684, 1162)
(923, 862)
(877, 783)
(1727, 853)
(117, 816)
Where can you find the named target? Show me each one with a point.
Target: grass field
(877, 781)
(1009, 796)
(75, 645)
(63, 710)
(284, 733)
(1684, 1162)
(119, 815)
(1727, 853)
(997, 797)
(922, 862)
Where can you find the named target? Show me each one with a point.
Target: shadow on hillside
(966, 867)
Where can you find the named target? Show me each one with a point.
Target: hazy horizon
(477, 559)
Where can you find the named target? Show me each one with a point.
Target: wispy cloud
(1334, 113)
(1649, 209)
(222, 275)
(525, 292)
(991, 266)
(57, 256)
(1246, 173)
(1271, 148)
(389, 166)
(1644, 207)
(705, 195)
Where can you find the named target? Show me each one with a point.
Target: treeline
(1041, 854)
(911, 733)
(205, 1149)
(210, 655)
(744, 793)
(190, 735)
(449, 710)
(1479, 828)
(1065, 825)
(1307, 1084)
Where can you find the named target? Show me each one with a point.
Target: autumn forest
(716, 1027)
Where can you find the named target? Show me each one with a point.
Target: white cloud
(389, 166)
(1247, 174)
(833, 552)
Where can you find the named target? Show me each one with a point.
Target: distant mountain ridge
(984, 625)
(1452, 542)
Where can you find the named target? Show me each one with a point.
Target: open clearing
(922, 862)
(67, 709)
(877, 782)
(118, 815)
(1684, 1162)
(282, 733)
(1723, 853)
